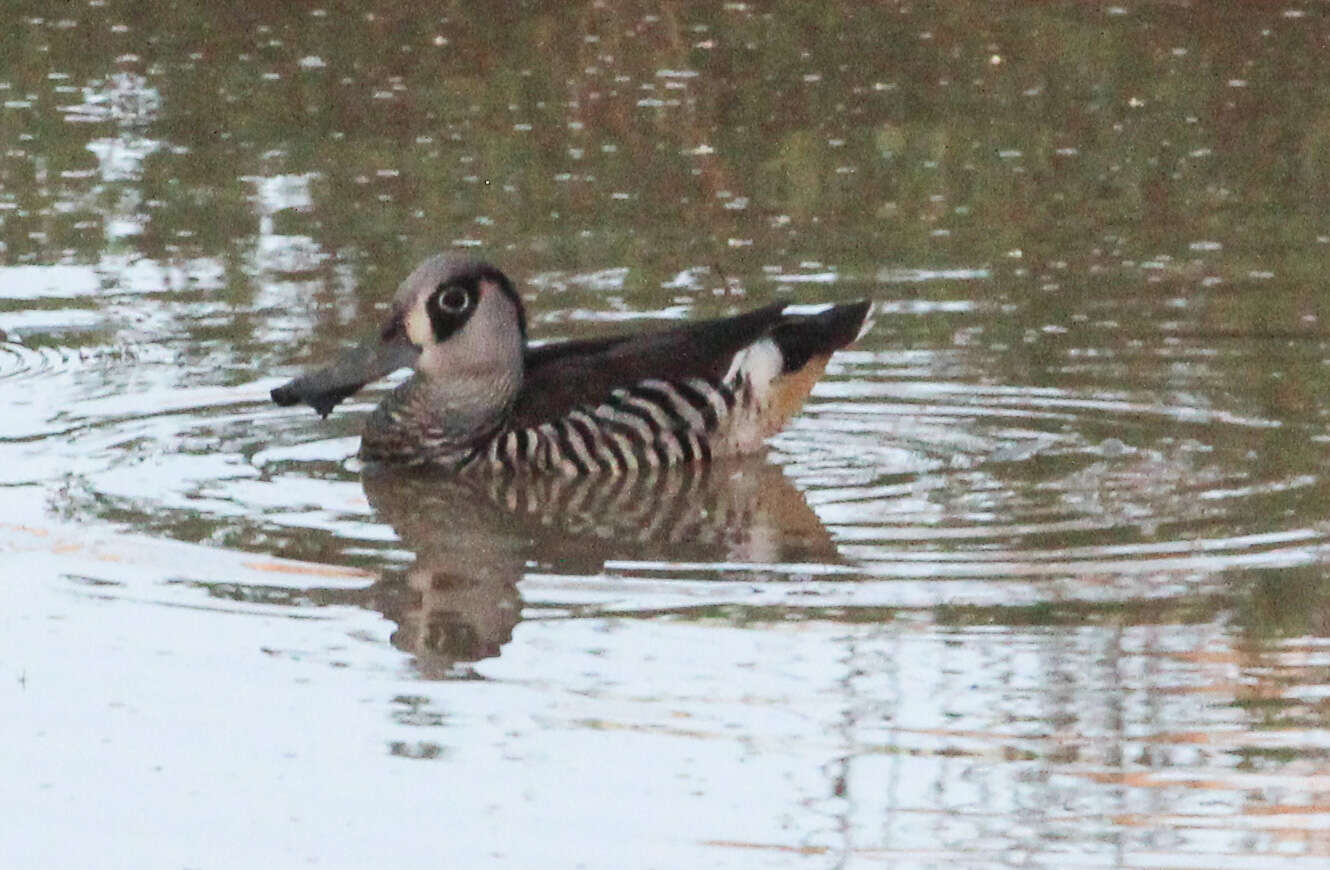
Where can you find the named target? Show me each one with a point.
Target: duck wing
(563, 376)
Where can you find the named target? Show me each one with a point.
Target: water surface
(1037, 579)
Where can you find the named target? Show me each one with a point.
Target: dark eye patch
(451, 304)
(452, 299)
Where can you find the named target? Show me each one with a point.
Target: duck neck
(466, 408)
(437, 420)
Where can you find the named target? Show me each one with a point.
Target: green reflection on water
(854, 133)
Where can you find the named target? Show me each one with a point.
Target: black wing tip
(802, 337)
(846, 321)
(841, 324)
(861, 308)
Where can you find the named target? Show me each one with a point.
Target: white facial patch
(416, 325)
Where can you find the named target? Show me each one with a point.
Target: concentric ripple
(17, 360)
(905, 493)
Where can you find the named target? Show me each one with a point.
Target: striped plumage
(481, 399)
(650, 424)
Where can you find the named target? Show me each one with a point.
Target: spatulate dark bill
(322, 390)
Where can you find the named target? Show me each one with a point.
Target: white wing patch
(759, 363)
(750, 376)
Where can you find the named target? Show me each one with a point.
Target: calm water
(1038, 579)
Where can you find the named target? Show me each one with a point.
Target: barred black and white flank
(481, 399)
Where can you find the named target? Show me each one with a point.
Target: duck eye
(452, 300)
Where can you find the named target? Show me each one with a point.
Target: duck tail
(804, 337)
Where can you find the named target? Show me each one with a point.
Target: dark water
(1037, 579)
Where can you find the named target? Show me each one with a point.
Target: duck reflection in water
(474, 539)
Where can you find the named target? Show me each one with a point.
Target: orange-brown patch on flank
(789, 391)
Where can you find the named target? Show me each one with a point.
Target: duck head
(459, 323)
